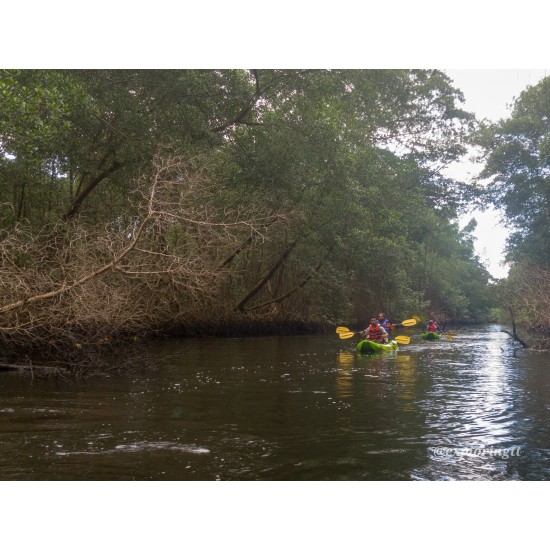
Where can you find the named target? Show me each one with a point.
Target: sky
(489, 93)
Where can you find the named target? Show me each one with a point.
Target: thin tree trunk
(292, 290)
(514, 334)
(21, 202)
(246, 243)
(79, 199)
(266, 278)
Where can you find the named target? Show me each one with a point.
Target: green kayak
(431, 336)
(370, 346)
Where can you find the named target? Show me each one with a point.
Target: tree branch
(514, 334)
(79, 199)
(245, 110)
(265, 279)
(292, 290)
(247, 242)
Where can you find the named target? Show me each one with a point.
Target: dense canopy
(200, 199)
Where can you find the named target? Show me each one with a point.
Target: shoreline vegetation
(137, 204)
(78, 356)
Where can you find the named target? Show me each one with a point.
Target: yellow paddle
(405, 323)
(346, 333)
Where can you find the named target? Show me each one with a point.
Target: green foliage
(518, 163)
(351, 156)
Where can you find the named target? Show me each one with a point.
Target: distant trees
(518, 167)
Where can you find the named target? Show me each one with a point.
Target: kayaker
(432, 326)
(375, 332)
(384, 323)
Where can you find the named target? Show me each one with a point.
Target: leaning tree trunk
(263, 281)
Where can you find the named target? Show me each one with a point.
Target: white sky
(489, 93)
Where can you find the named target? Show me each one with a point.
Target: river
(290, 408)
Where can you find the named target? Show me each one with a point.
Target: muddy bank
(75, 353)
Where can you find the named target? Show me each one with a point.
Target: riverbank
(77, 352)
(100, 351)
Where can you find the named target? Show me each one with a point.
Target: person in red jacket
(375, 332)
(432, 326)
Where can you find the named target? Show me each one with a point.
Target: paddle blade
(346, 335)
(342, 329)
(402, 339)
(449, 336)
(409, 322)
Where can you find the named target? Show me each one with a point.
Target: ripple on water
(141, 446)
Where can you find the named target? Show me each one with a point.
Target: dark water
(291, 408)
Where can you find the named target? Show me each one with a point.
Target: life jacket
(386, 324)
(432, 327)
(374, 333)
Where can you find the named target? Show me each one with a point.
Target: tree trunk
(79, 199)
(292, 290)
(266, 278)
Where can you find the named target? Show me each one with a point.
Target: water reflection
(406, 379)
(290, 408)
(472, 409)
(344, 374)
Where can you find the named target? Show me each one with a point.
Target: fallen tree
(514, 333)
(71, 289)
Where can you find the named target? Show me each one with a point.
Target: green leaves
(31, 115)
(353, 154)
(518, 155)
